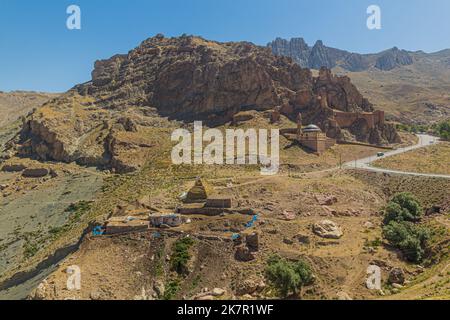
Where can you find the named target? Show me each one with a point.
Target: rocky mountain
(393, 58)
(322, 56)
(106, 121)
(411, 87)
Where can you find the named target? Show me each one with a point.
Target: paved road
(424, 141)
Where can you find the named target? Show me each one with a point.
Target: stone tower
(299, 125)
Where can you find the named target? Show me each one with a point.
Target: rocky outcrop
(103, 122)
(296, 48)
(397, 275)
(327, 229)
(13, 167)
(190, 78)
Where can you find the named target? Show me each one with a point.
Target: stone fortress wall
(346, 119)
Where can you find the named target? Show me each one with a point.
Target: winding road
(425, 140)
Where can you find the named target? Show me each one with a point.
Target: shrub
(443, 129)
(403, 207)
(288, 276)
(171, 289)
(412, 240)
(181, 255)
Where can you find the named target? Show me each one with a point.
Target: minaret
(299, 126)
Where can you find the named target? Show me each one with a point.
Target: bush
(288, 276)
(403, 207)
(171, 289)
(181, 255)
(413, 128)
(412, 240)
(443, 129)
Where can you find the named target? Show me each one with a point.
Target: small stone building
(313, 138)
(121, 225)
(171, 220)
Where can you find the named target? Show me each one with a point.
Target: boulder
(217, 292)
(327, 229)
(397, 276)
(248, 286)
(289, 215)
(302, 238)
(326, 200)
(327, 211)
(433, 210)
(369, 225)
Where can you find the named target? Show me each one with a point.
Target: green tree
(403, 207)
(412, 240)
(288, 276)
(181, 256)
(443, 129)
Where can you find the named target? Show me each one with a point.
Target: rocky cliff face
(393, 58)
(322, 56)
(109, 120)
(189, 78)
(296, 48)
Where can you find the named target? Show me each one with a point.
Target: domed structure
(312, 137)
(311, 128)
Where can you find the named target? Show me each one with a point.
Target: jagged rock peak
(322, 56)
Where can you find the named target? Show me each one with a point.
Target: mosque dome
(311, 128)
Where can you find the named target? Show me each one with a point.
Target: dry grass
(434, 159)
(404, 92)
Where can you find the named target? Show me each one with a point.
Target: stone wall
(316, 141)
(346, 119)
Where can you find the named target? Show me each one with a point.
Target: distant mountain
(412, 87)
(322, 56)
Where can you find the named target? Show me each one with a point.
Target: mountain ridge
(323, 56)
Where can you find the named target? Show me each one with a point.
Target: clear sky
(38, 52)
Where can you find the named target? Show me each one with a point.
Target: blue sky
(38, 52)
